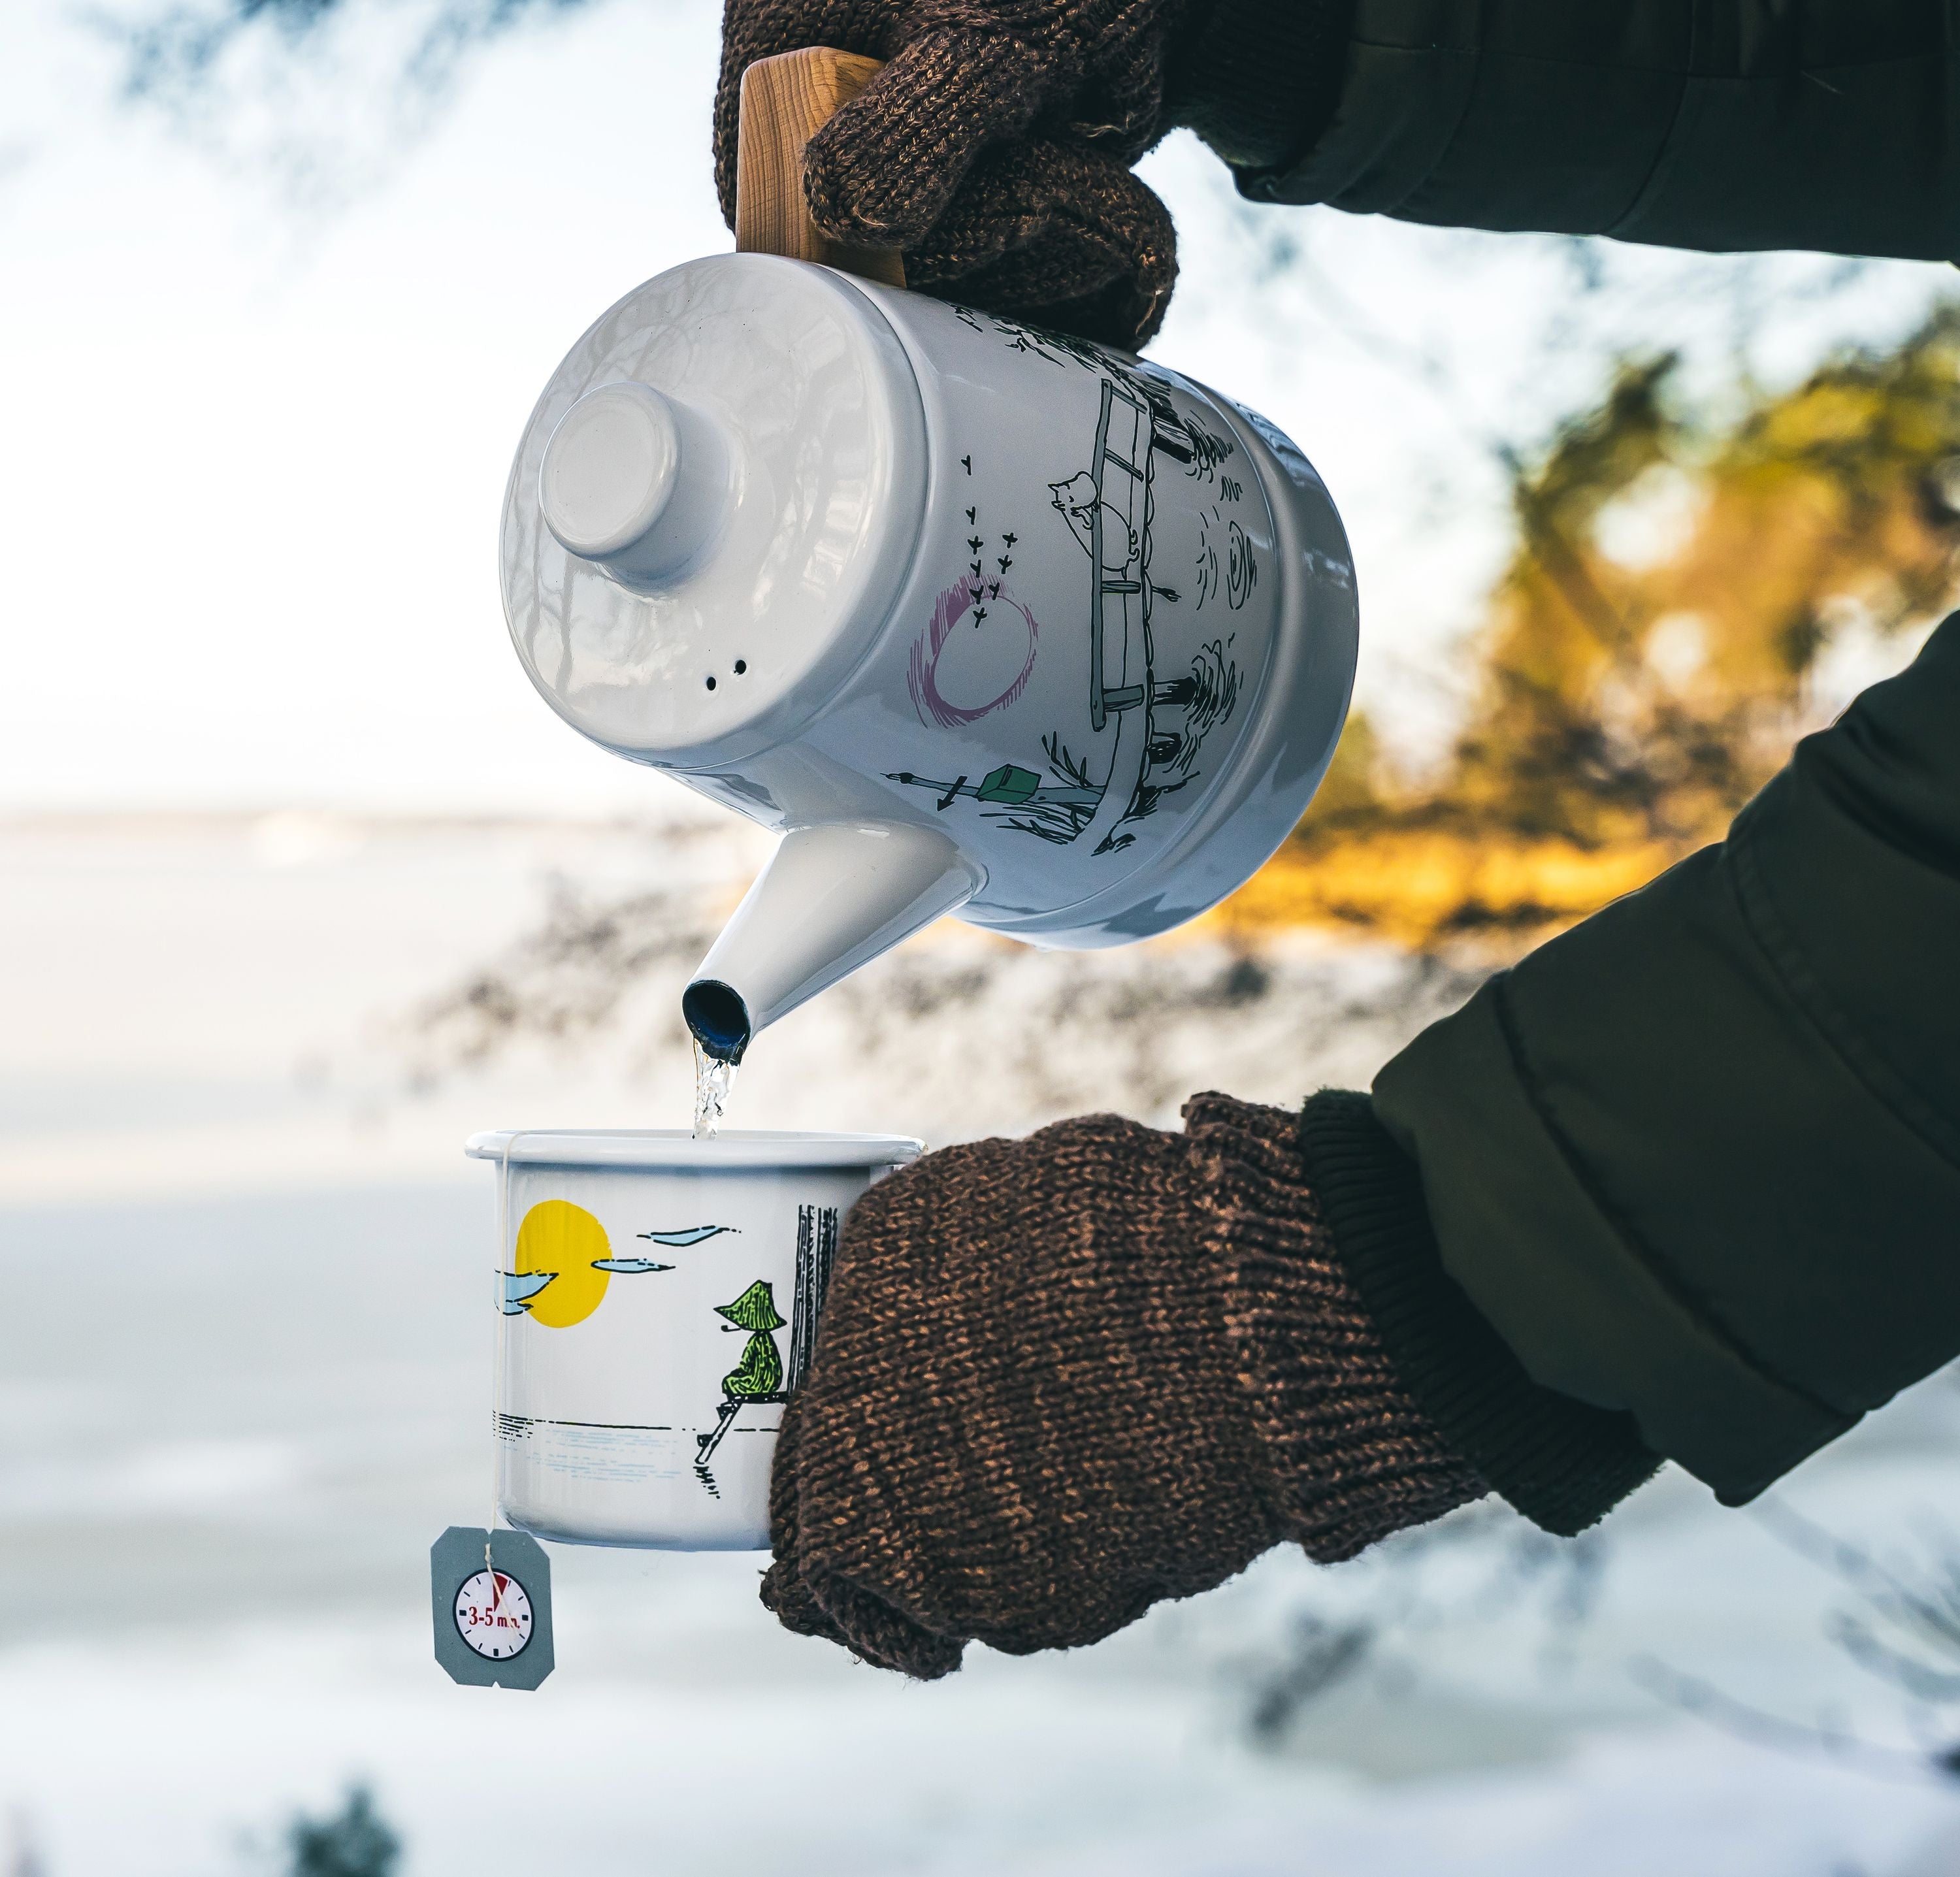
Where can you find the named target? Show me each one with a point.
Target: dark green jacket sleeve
(1713, 124)
(1698, 1162)
(1699, 1159)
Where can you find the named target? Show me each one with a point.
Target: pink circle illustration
(990, 602)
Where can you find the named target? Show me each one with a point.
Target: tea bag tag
(490, 1595)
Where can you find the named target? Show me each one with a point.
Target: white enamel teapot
(983, 620)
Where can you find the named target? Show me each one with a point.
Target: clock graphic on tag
(493, 1615)
(490, 1595)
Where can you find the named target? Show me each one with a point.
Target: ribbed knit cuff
(1350, 1455)
(1258, 79)
(1563, 1464)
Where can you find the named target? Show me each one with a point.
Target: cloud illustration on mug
(564, 1262)
(520, 1287)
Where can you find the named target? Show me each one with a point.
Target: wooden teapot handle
(785, 101)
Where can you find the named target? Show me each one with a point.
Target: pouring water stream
(713, 1077)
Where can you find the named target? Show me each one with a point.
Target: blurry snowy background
(299, 884)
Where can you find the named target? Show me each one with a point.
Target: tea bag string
(504, 1250)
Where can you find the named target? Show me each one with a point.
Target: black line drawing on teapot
(1154, 726)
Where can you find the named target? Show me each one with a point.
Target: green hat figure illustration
(759, 1373)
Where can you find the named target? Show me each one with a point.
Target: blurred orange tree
(1652, 648)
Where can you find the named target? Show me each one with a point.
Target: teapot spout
(832, 897)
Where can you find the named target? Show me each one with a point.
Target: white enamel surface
(803, 387)
(1252, 583)
(609, 469)
(1295, 722)
(601, 1417)
(832, 896)
(1098, 785)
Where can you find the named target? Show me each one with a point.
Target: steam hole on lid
(710, 684)
(741, 666)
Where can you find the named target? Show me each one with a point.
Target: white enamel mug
(657, 1300)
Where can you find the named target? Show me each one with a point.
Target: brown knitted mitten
(1062, 1377)
(994, 148)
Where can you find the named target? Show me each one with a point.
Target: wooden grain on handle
(785, 101)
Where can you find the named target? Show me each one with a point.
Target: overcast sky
(254, 447)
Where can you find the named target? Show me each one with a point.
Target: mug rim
(678, 1147)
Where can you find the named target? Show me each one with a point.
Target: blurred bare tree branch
(992, 1035)
(176, 54)
(1900, 1626)
(1497, 1568)
(317, 98)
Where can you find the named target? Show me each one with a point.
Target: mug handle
(786, 100)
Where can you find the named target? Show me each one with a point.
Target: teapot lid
(712, 508)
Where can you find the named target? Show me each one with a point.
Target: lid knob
(635, 483)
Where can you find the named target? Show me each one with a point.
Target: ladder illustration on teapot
(1159, 725)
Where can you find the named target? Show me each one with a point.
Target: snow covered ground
(243, 1376)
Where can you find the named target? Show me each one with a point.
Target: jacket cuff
(1257, 80)
(1562, 1463)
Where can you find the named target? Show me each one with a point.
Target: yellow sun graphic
(564, 1239)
